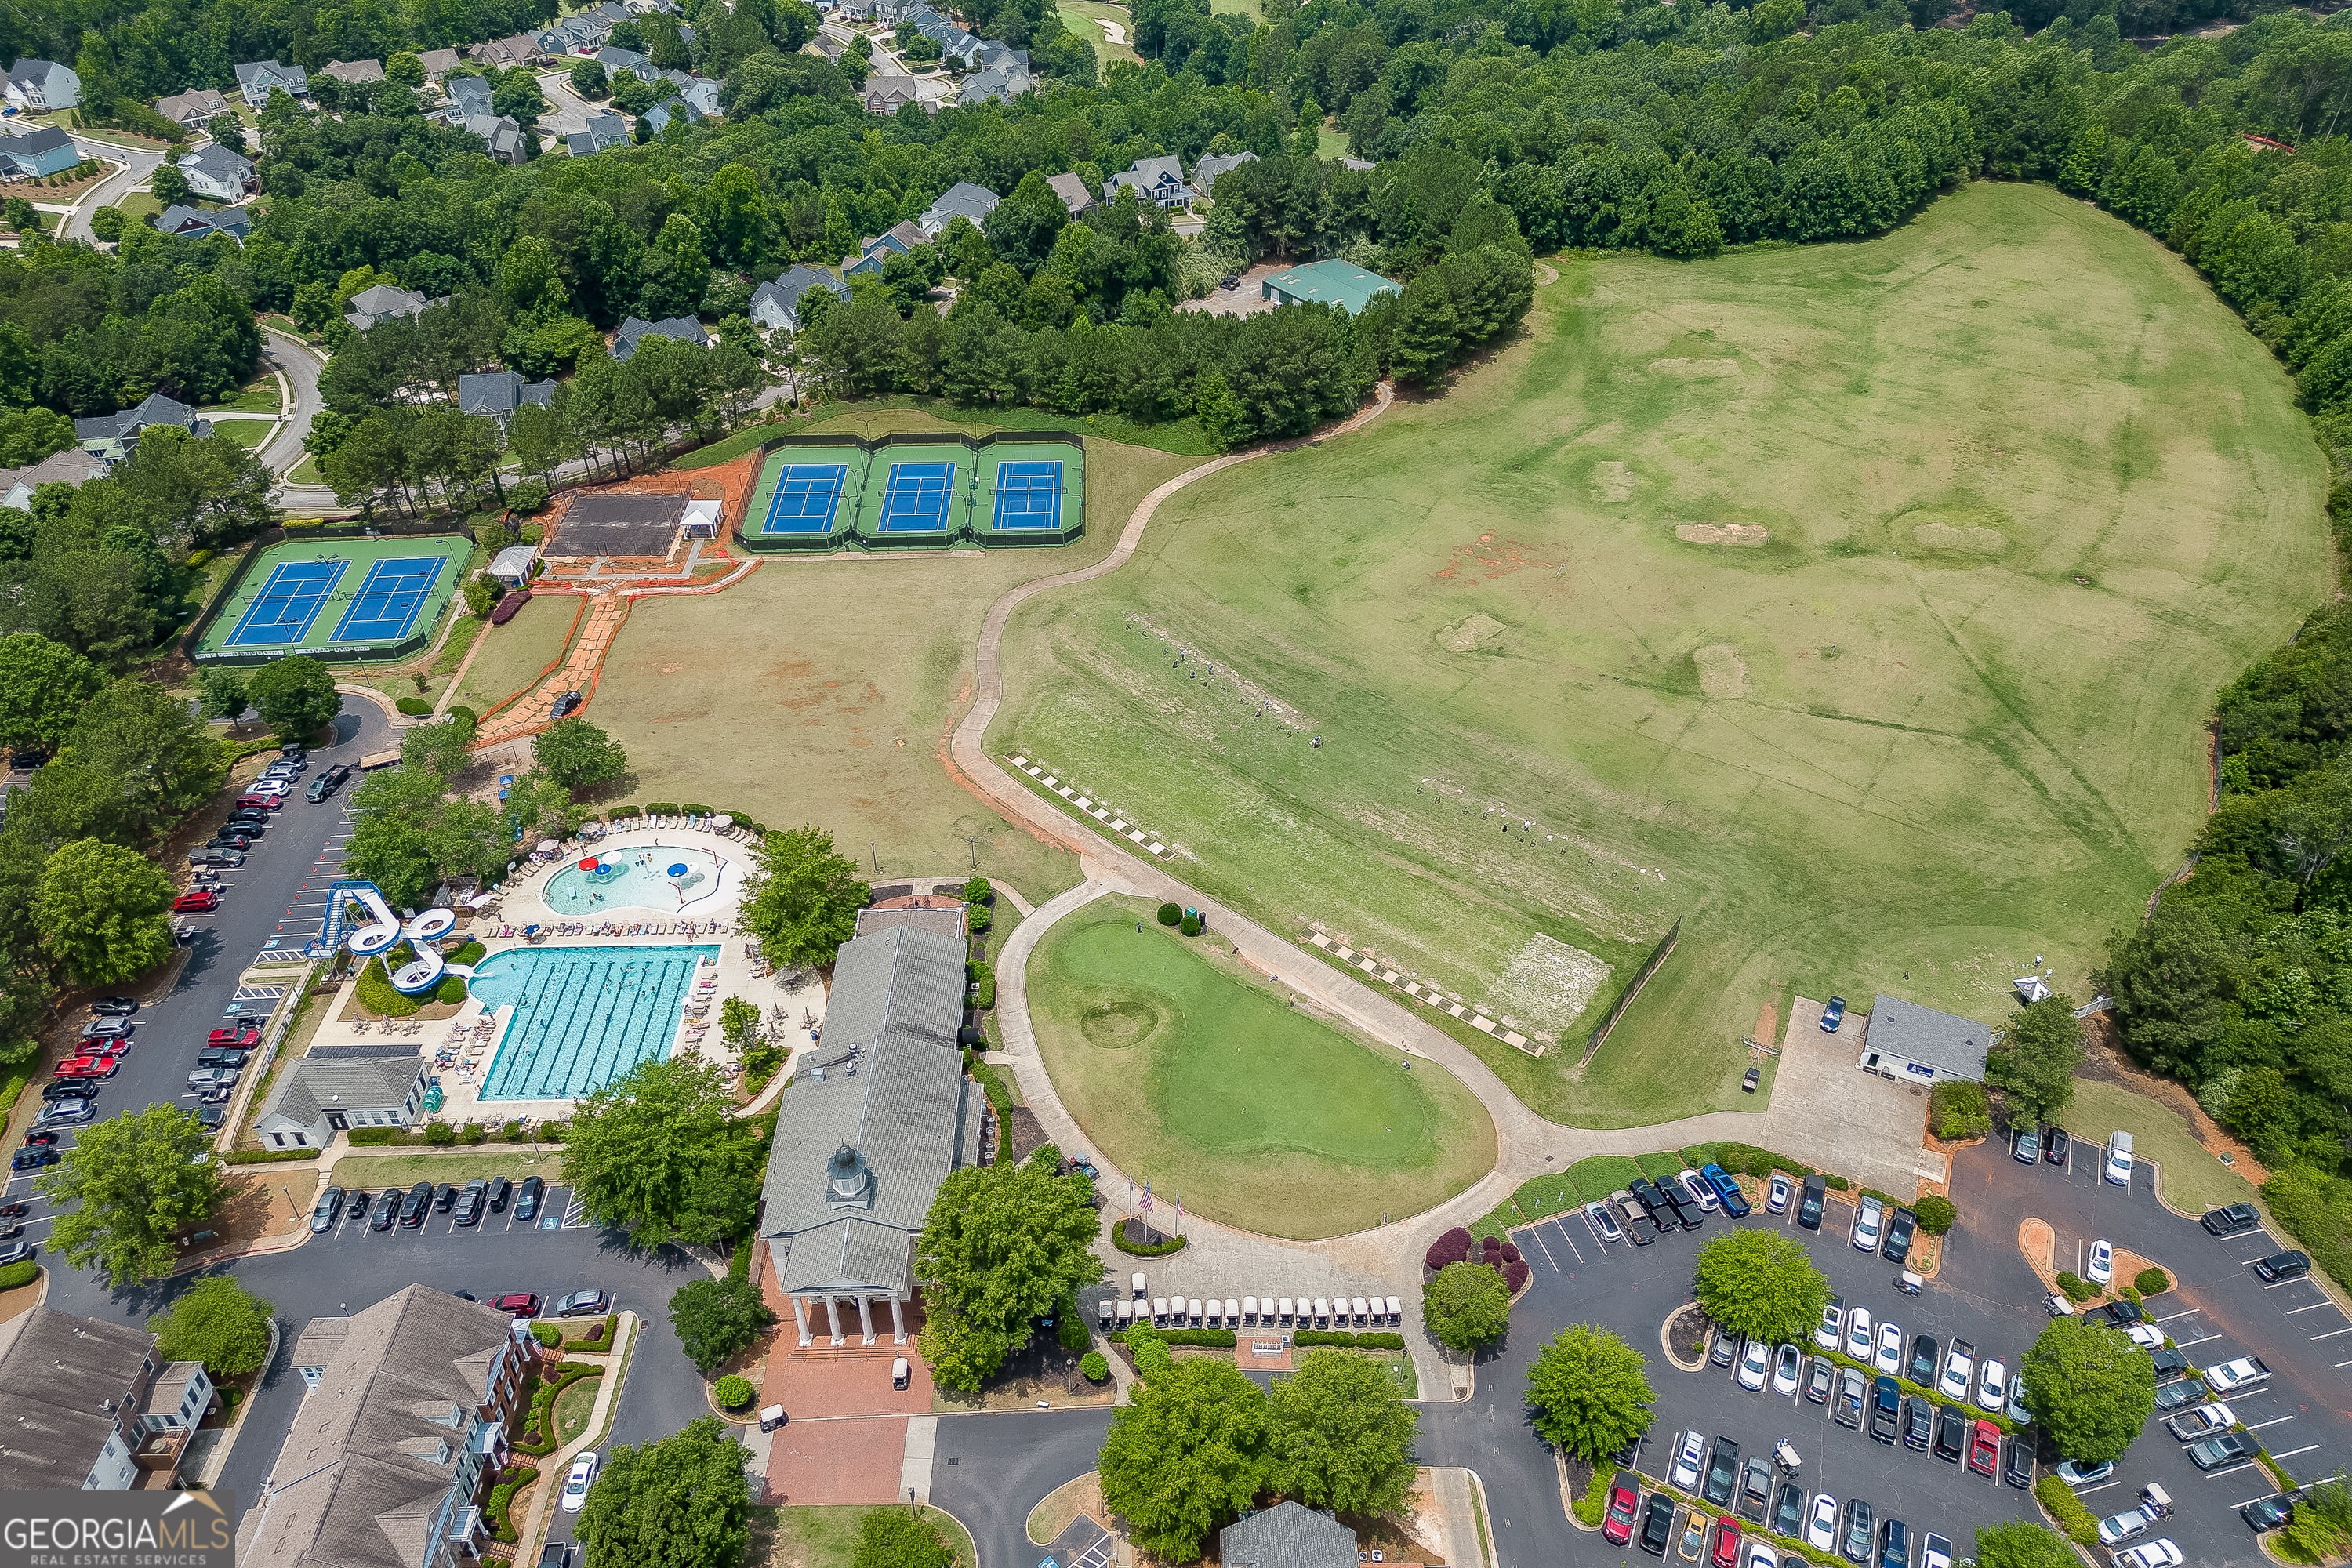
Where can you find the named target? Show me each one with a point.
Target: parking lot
(354, 1226)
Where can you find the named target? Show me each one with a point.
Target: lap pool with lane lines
(582, 1015)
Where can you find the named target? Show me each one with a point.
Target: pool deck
(520, 905)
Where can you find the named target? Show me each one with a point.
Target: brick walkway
(848, 1434)
(529, 716)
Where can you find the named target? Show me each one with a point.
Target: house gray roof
(685, 329)
(512, 51)
(437, 62)
(154, 409)
(502, 134)
(515, 560)
(199, 101)
(1211, 164)
(375, 303)
(255, 74)
(1000, 84)
(353, 70)
(1153, 179)
(33, 144)
(1954, 1046)
(371, 1468)
(886, 93)
(868, 1135)
(604, 129)
(670, 108)
(227, 167)
(71, 467)
(787, 289)
(471, 94)
(613, 58)
(501, 392)
(963, 199)
(1288, 1535)
(698, 91)
(56, 1373)
(196, 223)
(308, 1089)
(1073, 192)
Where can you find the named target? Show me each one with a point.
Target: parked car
(107, 1029)
(1847, 1410)
(32, 1158)
(1605, 1223)
(16, 1252)
(1724, 1349)
(2056, 1147)
(201, 900)
(1821, 1525)
(1824, 1373)
(527, 1203)
(2100, 1266)
(521, 1304)
(2267, 1514)
(2173, 1395)
(210, 1117)
(1858, 1532)
(1785, 1363)
(229, 839)
(2283, 1265)
(2078, 1475)
(327, 1210)
(1890, 1348)
(1617, 1523)
(1858, 1334)
(1777, 1193)
(1755, 1365)
(2222, 1448)
(2118, 1527)
(1722, 1472)
(501, 1190)
(2153, 1554)
(220, 1058)
(331, 781)
(1869, 1221)
(1935, 1552)
(1992, 1387)
(1922, 1369)
(2231, 1220)
(1896, 1247)
(71, 1112)
(1951, 1433)
(226, 858)
(1756, 1493)
(87, 1066)
(115, 1006)
(387, 1209)
(1697, 1192)
(1726, 1191)
(2146, 1336)
(2121, 1313)
(268, 786)
(2025, 1145)
(416, 1206)
(2233, 1375)
(1895, 1544)
(2119, 1158)
(472, 1201)
(1885, 1410)
(1788, 1510)
(576, 1484)
(1918, 1423)
(1960, 1368)
(242, 1040)
(445, 1197)
(1832, 1329)
(266, 802)
(1984, 1449)
(2017, 1463)
(38, 1138)
(1640, 1229)
(1832, 1015)
(212, 1077)
(2205, 1420)
(1657, 1524)
(1689, 1455)
(566, 705)
(1808, 1211)
(583, 1304)
(1726, 1553)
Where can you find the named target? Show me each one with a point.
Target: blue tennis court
(1028, 495)
(386, 605)
(806, 496)
(917, 500)
(288, 603)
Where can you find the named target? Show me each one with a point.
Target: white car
(1890, 1349)
(1821, 1526)
(2078, 1475)
(1777, 1196)
(1833, 1325)
(1605, 1223)
(270, 786)
(1686, 1461)
(1755, 1365)
(2154, 1554)
(2018, 1413)
(1698, 1190)
(2202, 1421)
(2102, 1265)
(1936, 1553)
(1992, 1387)
(1786, 1364)
(575, 1485)
(1857, 1333)
(2146, 1336)
(1960, 1368)
(1869, 1221)
(1759, 1555)
(2119, 1165)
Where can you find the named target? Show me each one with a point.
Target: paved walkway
(552, 1467)
(1882, 1153)
(534, 713)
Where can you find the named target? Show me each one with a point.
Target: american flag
(1146, 1197)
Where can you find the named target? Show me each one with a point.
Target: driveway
(138, 164)
(301, 366)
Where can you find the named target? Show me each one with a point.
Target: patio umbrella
(589, 863)
(549, 846)
(722, 821)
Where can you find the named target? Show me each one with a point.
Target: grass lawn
(574, 1405)
(516, 654)
(827, 1537)
(2194, 1179)
(809, 693)
(1561, 710)
(246, 433)
(306, 472)
(1196, 1074)
(258, 396)
(1080, 16)
(377, 1172)
(136, 204)
(1181, 436)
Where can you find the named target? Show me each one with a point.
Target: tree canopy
(1590, 1392)
(682, 1502)
(578, 755)
(1466, 1305)
(1761, 1285)
(1186, 1457)
(104, 913)
(1339, 1434)
(654, 1151)
(127, 1187)
(43, 689)
(295, 694)
(1002, 1246)
(715, 1319)
(2033, 1067)
(216, 1322)
(2089, 1387)
(2021, 1544)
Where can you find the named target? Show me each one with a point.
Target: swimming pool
(582, 1015)
(642, 877)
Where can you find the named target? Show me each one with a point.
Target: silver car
(1869, 1222)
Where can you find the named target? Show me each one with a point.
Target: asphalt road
(138, 165)
(990, 1470)
(302, 368)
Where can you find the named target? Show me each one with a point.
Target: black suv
(220, 1058)
(2230, 1221)
(1809, 1210)
(1657, 1524)
(328, 782)
(565, 705)
(1885, 1410)
(472, 1200)
(2284, 1265)
(1722, 1472)
(1897, 1248)
(526, 1201)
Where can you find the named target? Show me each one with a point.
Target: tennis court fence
(1038, 509)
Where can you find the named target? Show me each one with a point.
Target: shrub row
(18, 1274)
(2058, 1500)
(1340, 1339)
(502, 1498)
(596, 1339)
(440, 1135)
(1595, 1501)
(1216, 1339)
(1119, 1240)
(269, 1156)
(11, 1090)
(539, 1428)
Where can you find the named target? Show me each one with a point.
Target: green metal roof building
(1327, 283)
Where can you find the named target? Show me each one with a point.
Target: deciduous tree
(1590, 1392)
(643, 1149)
(717, 1318)
(803, 899)
(1188, 1455)
(1003, 1245)
(296, 695)
(127, 1187)
(44, 686)
(2021, 1544)
(1467, 1306)
(2034, 1065)
(219, 1322)
(1762, 1285)
(578, 755)
(103, 912)
(682, 1502)
(2090, 1388)
(1339, 1434)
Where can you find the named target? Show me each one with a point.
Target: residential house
(1160, 180)
(507, 53)
(257, 80)
(1073, 192)
(604, 128)
(827, 45)
(110, 437)
(353, 70)
(888, 94)
(778, 304)
(71, 467)
(995, 54)
(699, 92)
(219, 174)
(879, 1117)
(502, 134)
(583, 32)
(192, 108)
(1288, 1535)
(898, 239)
(614, 59)
(1332, 282)
(315, 1098)
(880, 12)
(498, 393)
(466, 95)
(37, 87)
(1911, 1043)
(410, 1409)
(1211, 164)
(963, 199)
(685, 329)
(655, 118)
(439, 63)
(382, 302)
(44, 152)
(997, 84)
(193, 222)
(91, 1405)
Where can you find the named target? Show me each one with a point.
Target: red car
(1617, 1525)
(1984, 1448)
(272, 802)
(87, 1066)
(240, 1040)
(1727, 1545)
(196, 901)
(118, 1047)
(521, 1304)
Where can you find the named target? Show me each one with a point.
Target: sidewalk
(551, 1467)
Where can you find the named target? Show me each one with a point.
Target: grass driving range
(1189, 1070)
(1860, 604)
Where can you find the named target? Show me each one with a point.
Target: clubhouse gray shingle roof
(308, 1088)
(1288, 1535)
(1954, 1046)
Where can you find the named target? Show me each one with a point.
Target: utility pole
(876, 853)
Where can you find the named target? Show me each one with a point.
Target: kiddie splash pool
(644, 876)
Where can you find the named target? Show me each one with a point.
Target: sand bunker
(1721, 671)
(1742, 533)
(1549, 984)
(1471, 634)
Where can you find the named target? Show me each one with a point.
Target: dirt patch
(1038, 1372)
(2038, 1243)
(1027, 1133)
(1468, 635)
(22, 1300)
(256, 1209)
(1748, 534)
(1722, 673)
(2104, 1059)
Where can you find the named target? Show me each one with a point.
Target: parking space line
(2184, 1344)
(2190, 1312)
(2291, 1312)
(2333, 1332)
(2233, 1469)
(2281, 1284)
(1536, 1232)
(1574, 1251)
(2291, 1453)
